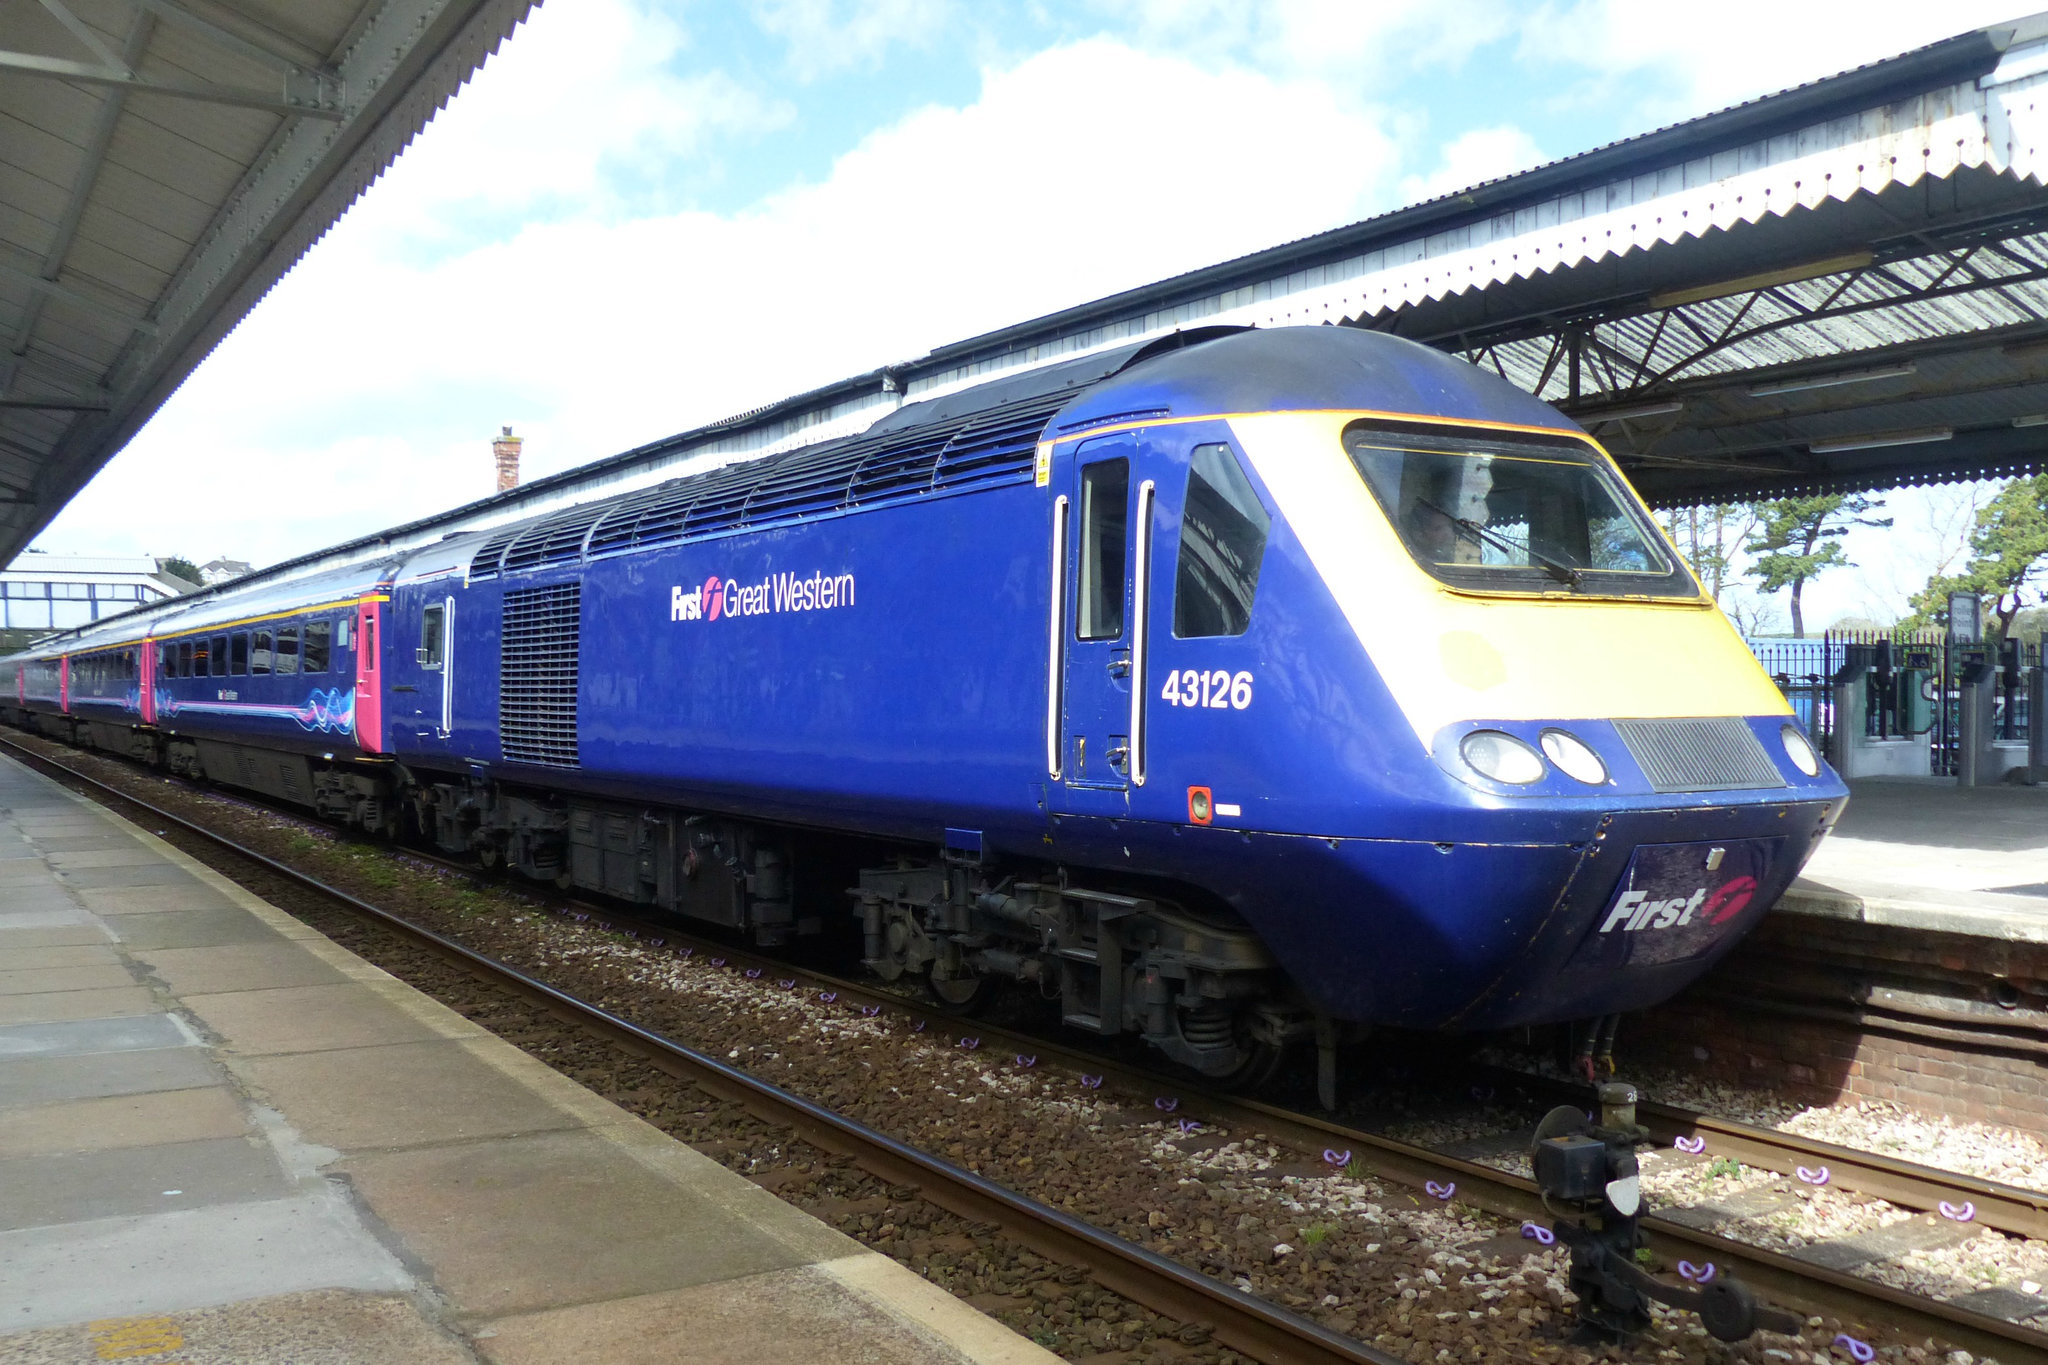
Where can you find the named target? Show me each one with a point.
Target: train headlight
(1575, 757)
(1502, 757)
(1800, 751)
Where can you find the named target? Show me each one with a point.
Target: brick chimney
(506, 449)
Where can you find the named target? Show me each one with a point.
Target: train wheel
(1251, 1062)
(966, 994)
(1259, 1062)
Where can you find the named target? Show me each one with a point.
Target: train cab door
(425, 710)
(1105, 524)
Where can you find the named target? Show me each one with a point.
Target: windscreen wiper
(1556, 568)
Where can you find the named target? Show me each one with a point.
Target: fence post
(2037, 720)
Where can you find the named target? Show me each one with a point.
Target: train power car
(1237, 688)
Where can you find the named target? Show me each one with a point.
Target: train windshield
(1513, 512)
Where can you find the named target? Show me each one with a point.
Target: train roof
(196, 611)
(987, 436)
(984, 436)
(1307, 368)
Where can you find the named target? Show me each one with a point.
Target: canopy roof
(1839, 286)
(162, 164)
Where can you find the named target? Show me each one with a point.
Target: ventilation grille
(537, 675)
(1699, 755)
(980, 450)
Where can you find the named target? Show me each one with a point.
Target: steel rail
(1800, 1283)
(1242, 1321)
(2005, 1208)
(2012, 1209)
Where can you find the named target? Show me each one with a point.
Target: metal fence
(1913, 682)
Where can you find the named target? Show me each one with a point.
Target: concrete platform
(1922, 853)
(225, 1139)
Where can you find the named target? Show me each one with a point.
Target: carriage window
(259, 654)
(1105, 513)
(219, 656)
(431, 622)
(167, 661)
(287, 656)
(239, 652)
(184, 669)
(341, 633)
(1222, 539)
(318, 633)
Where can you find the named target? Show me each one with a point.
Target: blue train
(1237, 688)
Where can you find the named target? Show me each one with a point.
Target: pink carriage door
(369, 685)
(145, 673)
(64, 684)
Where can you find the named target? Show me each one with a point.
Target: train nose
(1677, 901)
(1646, 913)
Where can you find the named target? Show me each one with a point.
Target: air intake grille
(980, 450)
(537, 675)
(1699, 755)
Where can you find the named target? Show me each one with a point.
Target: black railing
(1912, 685)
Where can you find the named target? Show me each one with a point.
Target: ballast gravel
(1421, 1279)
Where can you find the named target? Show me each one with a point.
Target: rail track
(1238, 1319)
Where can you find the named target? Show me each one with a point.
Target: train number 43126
(1219, 689)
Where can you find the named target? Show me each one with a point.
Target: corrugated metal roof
(1893, 216)
(162, 164)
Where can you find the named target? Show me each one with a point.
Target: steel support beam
(86, 35)
(49, 288)
(57, 68)
(247, 37)
(98, 138)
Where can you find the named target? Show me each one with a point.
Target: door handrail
(1141, 571)
(447, 667)
(1056, 638)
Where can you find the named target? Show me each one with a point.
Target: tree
(183, 568)
(2008, 558)
(1707, 537)
(1754, 616)
(1798, 539)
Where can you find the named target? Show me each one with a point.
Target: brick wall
(1749, 1022)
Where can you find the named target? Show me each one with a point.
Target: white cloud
(1356, 44)
(364, 391)
(1471, 159)
(825, 36)
(1691, 60)
(582, 113)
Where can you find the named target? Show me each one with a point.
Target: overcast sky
(640, 217)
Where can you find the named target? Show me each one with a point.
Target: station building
(43, 592)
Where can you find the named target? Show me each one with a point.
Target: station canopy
(1841, 286)
(162, 164)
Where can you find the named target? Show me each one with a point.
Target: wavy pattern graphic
(327, 710)
(131, 702)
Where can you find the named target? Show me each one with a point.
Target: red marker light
(1201, 808)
